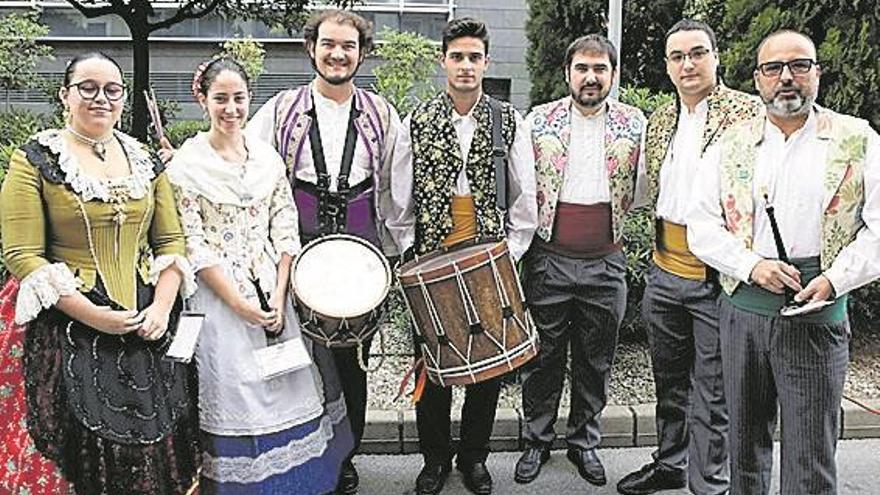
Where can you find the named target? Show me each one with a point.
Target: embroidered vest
(843, 182)
(292, 123)
(551, 134)
(726, 108)
(437, 163)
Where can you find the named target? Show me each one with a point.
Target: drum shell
(324, 329)
(520, 344)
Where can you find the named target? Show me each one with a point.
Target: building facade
(175, 52)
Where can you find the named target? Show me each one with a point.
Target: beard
(800, 104)
(588, 101)
(335, 80)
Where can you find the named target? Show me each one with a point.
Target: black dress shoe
(651, 478)
(528, 467)
(348, 479)
(588, 465)
(476, 477)
(432, 478)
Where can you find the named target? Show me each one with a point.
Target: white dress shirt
(586, 176)
(791, 172)
(332, 124)
(680, 164)
(522, 214)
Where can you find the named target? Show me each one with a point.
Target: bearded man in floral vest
(588, 158)
(787, 209)
(444, 193)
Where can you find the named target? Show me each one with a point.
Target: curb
(394, 431)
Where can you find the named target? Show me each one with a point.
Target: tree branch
(92, 12)
(183, 13)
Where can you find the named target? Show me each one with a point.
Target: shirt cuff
(288, 245)
(42, 288)
(745, 267)
(837, 276)
(188, 284)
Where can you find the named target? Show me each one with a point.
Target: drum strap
(500, 156)
(332, 207)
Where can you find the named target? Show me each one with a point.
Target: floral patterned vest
(726, 108)
(551, 133)
(437, 163)
(847, 139)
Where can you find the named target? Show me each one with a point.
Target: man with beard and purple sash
(339, 167)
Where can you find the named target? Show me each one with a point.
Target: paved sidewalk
(858, 463)
(394, 432)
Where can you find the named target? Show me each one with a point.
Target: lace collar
(136, 184)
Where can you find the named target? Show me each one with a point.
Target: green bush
(180, 131)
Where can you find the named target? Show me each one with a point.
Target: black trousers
(477, 416)
(354, 387)
(577, 305)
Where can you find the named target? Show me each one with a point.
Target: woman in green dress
(91, 231)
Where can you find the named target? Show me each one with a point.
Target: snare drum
(468, 307)
(340, 283)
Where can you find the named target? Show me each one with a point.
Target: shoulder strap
(500, 155)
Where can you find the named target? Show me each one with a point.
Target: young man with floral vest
(444, 193)
(680, 301)
(820, 172)
(588, 159)
(341, 190)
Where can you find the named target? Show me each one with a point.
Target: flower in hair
(200, 74)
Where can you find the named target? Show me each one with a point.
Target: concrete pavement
(858, 463)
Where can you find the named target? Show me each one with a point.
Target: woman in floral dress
(286, 433)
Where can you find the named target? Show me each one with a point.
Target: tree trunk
(140, 34)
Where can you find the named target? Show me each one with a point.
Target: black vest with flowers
(437, 163)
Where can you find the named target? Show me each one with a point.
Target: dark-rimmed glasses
(798, 67)
(89, 90)
(696, 55)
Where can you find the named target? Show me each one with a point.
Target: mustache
(594, 85)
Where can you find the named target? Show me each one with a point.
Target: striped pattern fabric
(800, 368)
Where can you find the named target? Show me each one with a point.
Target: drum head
(442, 259)
(341, 276)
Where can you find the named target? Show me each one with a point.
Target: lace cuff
(42, 288)
(200, 257)
(187, 285)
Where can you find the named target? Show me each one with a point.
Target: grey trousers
(682, 318)
(800, 366)
(579, 303)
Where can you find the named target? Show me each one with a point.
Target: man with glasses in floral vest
(679, 304)
(787, 209)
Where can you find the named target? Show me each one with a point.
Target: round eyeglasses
(89, 90)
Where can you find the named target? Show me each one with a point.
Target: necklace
(99, 146)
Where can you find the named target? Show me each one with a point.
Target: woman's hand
(154, 322)
(166, 151)
(278, 302)
(252, 313)
(113, 322)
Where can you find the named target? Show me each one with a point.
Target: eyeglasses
(89, 90)
(798, 67)
(696, 55)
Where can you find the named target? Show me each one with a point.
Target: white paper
(278, 359)
(806, 308)
(183, 346)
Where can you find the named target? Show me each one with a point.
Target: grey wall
(507, 42)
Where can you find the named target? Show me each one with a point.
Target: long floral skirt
(24, 469)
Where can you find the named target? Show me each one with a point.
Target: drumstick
(155, 116)
(264, 305)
